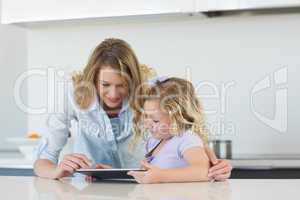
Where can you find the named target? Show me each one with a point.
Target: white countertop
(33, 188)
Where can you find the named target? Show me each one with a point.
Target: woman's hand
(152, 175)
(70, 163)
(221, 169)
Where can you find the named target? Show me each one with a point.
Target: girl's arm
(196, 171)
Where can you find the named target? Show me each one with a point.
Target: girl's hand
(221, 169)
(152, 175)
(71, 163)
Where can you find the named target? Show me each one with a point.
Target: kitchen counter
(14, 164)
(33, 188)
(14, 159)
(265, 163)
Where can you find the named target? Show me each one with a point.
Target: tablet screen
(108, 173)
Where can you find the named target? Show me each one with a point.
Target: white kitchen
(242, 57)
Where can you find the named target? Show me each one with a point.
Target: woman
(101, 104)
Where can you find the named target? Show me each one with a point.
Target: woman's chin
(112, 105)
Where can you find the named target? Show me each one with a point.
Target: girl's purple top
(171, 154)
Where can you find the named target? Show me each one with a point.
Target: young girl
(173, 115)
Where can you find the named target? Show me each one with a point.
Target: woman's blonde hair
(178, 98)
(117, 54)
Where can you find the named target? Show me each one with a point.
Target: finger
(221, 164)
(67, 168)
(218, 172)
(78, 161)
(211, 155)
(222, 177)
(138, 176)
(83, 158)
(146, 165)
(71, 164)
(102, 166)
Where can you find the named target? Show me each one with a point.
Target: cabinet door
(223, 5)
(14, 11)
(216, 5)
(249, 4)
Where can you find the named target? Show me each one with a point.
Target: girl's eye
(155, 121)
(105, 85)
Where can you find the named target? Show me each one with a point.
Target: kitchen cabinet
(254, 4)
(15, 11)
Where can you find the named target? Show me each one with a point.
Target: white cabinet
(16, 11)
(216, 5)
(252, 4)
(223, 5)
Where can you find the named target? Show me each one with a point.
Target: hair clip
(158, 79)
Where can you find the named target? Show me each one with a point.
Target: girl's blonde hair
(117, 54)
(178, 98)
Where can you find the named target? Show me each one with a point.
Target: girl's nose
(148, 124)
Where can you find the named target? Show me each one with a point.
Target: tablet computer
(106, 174)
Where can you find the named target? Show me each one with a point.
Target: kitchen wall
(13, 62)
(226, 57)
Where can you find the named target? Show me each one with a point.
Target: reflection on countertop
(78, 188)
(34, 188)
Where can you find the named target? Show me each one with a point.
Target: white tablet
(108, 173)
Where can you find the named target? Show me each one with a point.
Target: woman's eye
(105, 85)
(155, 121)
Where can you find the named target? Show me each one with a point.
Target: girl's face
(111, 87)
(156, 121)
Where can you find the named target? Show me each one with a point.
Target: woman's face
(111, 87)
(156, 121)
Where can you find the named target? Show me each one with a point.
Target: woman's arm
(49, 149)
(47, 169)
(196, 171)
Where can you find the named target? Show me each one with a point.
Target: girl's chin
(160, 137)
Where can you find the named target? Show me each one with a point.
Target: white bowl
(26, 146)
(27, 151)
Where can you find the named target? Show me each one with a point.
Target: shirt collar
(96, 105)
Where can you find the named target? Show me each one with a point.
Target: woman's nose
(113, 92)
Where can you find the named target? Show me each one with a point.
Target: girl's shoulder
(187, 140)
(188, 135)
(151, 142)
